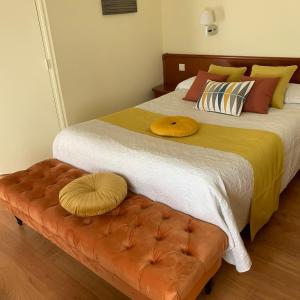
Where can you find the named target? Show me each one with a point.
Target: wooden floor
(32, 268)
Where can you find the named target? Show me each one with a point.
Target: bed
(211, 185)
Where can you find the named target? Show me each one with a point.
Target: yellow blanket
(264, 150)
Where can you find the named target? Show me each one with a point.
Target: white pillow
(186, 84)
(293, 93)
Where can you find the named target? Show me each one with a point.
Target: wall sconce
(208, 20)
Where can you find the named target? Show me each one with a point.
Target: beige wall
(105, 63)
(256, 27)
(28, 117)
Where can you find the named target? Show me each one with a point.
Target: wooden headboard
(193, 63)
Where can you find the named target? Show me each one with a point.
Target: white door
(28, 116)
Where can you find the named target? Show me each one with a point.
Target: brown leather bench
(143, 248)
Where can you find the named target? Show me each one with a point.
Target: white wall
(256, 27)
(105, 63)
(28, 117)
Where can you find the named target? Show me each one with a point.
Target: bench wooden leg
(208, 288)
(20, 222)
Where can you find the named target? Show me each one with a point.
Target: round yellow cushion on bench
(93, 195)
(174, 126)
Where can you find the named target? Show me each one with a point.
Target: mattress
(177, 174)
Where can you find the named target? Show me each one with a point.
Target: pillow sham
(283, 73)
(261, 94)
(224, 97)
(292, 94)
(234, 74)
(198, 86)
(186, 84)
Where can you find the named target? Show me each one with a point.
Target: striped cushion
(224, 97)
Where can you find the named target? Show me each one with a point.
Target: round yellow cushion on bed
(174, 126)
(93, 195)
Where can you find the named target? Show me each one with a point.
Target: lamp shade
(207, 17)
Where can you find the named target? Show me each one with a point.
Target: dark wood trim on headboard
(193, 63)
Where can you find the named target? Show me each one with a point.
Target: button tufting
(188, 229)
(155, 260)
(110, 235)
(186, 252)
(107, 232)
(144, 206)
(128, 247)
(117, 212)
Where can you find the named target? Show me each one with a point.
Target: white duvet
(208, 184)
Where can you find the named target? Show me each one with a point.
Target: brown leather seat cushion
(144, 248)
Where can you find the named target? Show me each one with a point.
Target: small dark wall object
(112, 7)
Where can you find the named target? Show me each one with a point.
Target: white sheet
(186, 84)
(292, 94)
(211, 185)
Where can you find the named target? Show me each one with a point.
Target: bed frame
(193, 63)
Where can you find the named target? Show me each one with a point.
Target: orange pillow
(260, 97)
(198, 87)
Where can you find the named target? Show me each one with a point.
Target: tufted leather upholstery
(144, 248)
